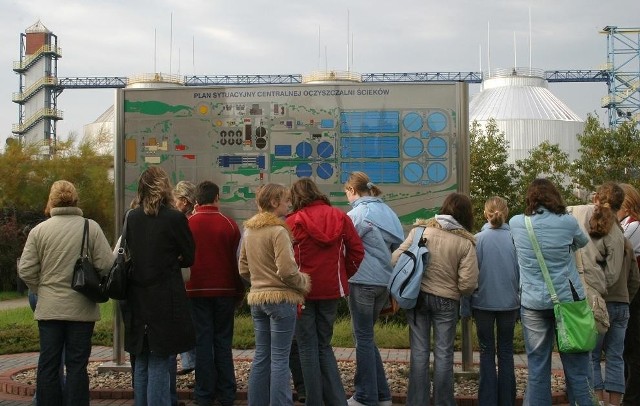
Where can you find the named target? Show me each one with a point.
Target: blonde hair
(362, 185)
(186, 190)
(496, 211)
(154, 190)
(631, 201)
(62, 194)
(269, 193)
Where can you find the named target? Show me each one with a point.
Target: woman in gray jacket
(65, 317)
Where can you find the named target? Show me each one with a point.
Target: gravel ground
(397, 376)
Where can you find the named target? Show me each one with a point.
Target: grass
(10, 295)
(19, 332)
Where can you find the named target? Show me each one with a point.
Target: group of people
(300, 257)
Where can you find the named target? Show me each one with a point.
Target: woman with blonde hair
(381, 233)
(498, 272)
(184, 195)
(158, 323)
(66, 318)
(277, 289)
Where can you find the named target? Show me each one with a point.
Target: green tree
(545, 161)
(607, 155)
(491, 175)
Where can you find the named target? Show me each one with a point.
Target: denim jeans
(314, 331)
(613, 345)
(538, 327)
(73, 338)
(269, 381)
(441, 314)
(370, 381)
(188, 359)
(152, 385)
(496, 389)
(215, 375)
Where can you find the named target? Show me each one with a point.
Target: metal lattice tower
(623, 67)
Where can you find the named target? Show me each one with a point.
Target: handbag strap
(417, 236)
(543, 265)
(123, 236)
(84, 248)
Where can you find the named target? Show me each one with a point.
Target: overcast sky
(117, 37)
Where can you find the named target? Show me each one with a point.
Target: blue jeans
(370, 381)
(188, 359)
(314, 331)
(274, 326)
(215, 375)
(496, 389)
(152, 385)
(538, 327)
(441, 314)
(613, 345)
(73, 338)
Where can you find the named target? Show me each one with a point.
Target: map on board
(411, 139)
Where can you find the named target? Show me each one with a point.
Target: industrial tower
(36, 98)
(623, 67)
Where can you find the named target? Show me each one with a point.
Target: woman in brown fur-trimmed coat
(277, 288)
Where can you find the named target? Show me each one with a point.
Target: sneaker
(353, 402)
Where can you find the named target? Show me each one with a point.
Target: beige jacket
(47, 262)
(267, 261)
(453, 264)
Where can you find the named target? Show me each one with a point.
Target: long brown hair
(362, 185)
(303, 192)
(154, 190)
(542, 192)
(608, 200)
(631, 201)
(458, 206)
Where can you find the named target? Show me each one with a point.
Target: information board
(411, 139)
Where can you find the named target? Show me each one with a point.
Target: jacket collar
(433, 222)
(264, 219)
(207, 209)
(66, 211)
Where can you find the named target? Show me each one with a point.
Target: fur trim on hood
(265, 219)
(433, 222)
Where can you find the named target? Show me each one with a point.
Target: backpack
(404, 285)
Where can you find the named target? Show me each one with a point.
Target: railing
(517, 71)
(19, 97)
(156, 78)
(35, 118)
(28, 60)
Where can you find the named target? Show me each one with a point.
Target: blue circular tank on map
(325, 149)
(437, 146)
(413, 147)
(304, 149)
(303, 170)
(437, 121)
(325, 170)
(412, 122)
(413, 172)
(437, 172)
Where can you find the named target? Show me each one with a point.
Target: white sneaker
(353, 402)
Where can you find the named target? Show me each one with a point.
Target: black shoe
(185, 371)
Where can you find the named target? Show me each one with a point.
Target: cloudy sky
(124, 38)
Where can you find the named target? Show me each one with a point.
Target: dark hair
(362, 185)
(608, 200)
(542, 192)
(458, 206)
(206, 192)
(303, 192)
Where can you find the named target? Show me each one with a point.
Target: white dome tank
(526, 111)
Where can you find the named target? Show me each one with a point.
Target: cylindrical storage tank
(526, 111)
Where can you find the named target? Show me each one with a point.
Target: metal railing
(30, 59)
(332, 76)
(19, 97)
(35, 118)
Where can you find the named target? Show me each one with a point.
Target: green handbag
(575, 324)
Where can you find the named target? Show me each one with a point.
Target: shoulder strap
(543, 265)
(123, 236)
(84, 248)
(417, 236)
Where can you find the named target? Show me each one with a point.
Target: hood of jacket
(324, 232)
(265, 219)
(376, 214)
(447, 223)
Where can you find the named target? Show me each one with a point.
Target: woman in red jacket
(328, 248)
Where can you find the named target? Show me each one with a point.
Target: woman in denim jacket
(558, 234)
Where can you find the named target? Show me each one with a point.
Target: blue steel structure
(623, 70)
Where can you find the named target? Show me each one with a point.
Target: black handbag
(115, 284)
(86, 279)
